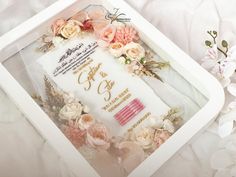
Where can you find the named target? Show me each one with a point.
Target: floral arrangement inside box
(90, 136)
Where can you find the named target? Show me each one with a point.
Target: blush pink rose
(57, 25)
(74, 134)
(108, 33)
(98, 136)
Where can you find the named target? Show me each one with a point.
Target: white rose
(116, 49)
(71, 111)
(70, 29)
(86, 121)
(144, 137)
(134, 51)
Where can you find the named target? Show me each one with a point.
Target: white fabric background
(185, 22)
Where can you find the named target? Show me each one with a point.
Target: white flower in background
(211, 58)
(232, 53)
(224, 160)
(226, 120)
(222, 68)
(71, 111)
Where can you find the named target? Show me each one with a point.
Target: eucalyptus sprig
(224, 43)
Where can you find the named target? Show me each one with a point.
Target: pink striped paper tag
(129, 111)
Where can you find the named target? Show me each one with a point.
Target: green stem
(225, 54)
(214, 39)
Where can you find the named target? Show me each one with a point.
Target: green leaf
(208, 43)
(224, 43)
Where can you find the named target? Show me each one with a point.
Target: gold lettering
(87, 83)
(103, 74)
(104, 88)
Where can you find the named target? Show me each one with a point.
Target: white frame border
(209, 86)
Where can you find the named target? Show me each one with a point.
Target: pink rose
(98, 136)
(74, 134)
(57, 25)
(108, 33)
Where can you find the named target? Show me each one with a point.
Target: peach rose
(85, 121)
(98, 136)
(57, 25)
(116, 49)
(70, 29)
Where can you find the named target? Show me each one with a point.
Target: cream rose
(98, 136)
(85, 121)
(144, 137)
(116, 49)
(70, 29)
(134, 51)
(71, 111)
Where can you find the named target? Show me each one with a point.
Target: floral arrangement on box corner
(87, 133)
(113, 33)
